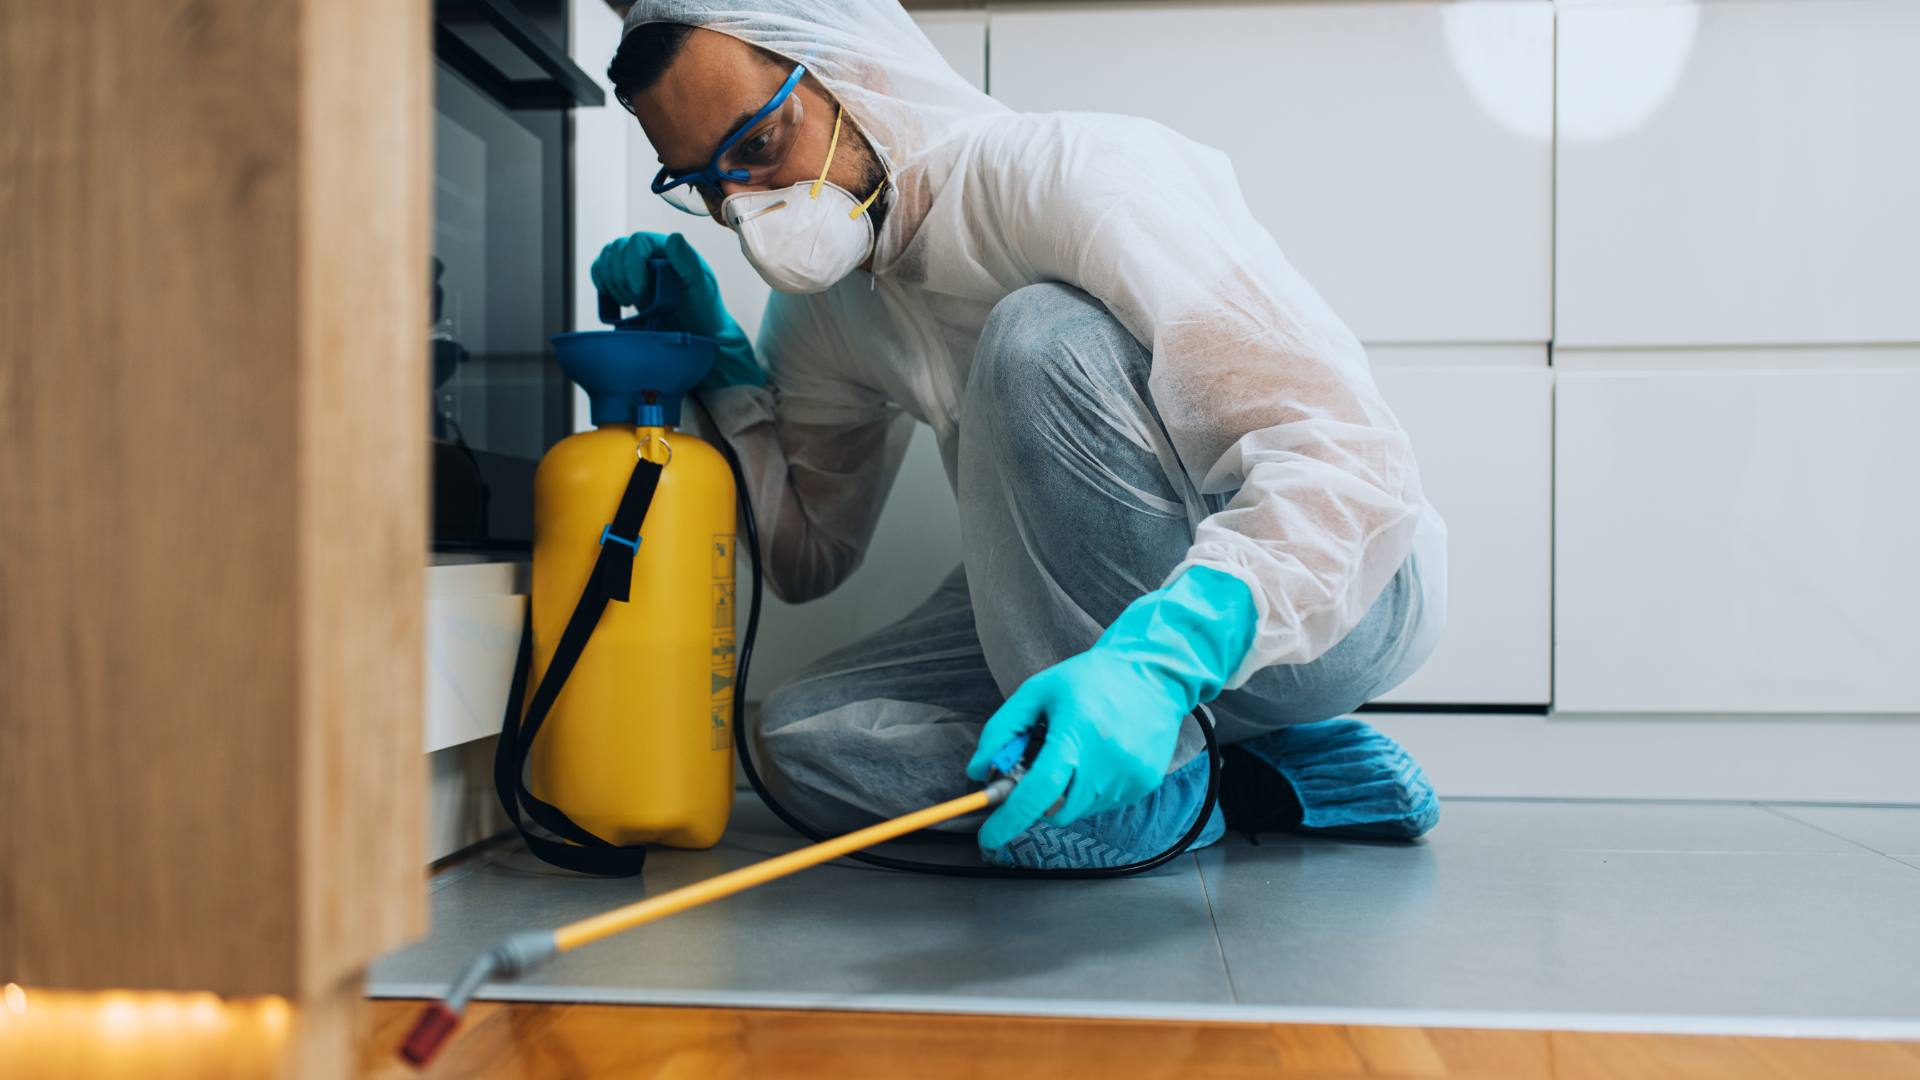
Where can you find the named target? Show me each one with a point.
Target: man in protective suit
(1178, 484)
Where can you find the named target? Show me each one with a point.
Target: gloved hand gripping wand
(527, 950)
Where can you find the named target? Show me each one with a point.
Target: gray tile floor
(1581, 915)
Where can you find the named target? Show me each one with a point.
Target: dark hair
(644, 56)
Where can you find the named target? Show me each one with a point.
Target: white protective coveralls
(1292, 473)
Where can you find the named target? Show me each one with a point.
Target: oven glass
(499, 293)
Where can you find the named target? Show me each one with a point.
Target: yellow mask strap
(862, 208)
(832, 146)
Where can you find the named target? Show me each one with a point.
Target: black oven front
(504, 89)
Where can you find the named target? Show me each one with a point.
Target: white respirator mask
(804, 238)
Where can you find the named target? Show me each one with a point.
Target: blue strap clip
(606, 534)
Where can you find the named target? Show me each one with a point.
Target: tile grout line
(1213, 921)
(454, 874)
(1771, 809)
(1637, 800)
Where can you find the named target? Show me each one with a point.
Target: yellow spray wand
(529, 949)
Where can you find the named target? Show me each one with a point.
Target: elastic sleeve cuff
(1253, 661)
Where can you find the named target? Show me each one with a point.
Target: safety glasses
(754, 151)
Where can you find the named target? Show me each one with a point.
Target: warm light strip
(56, 1033)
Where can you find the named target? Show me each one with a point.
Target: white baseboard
(1800, 759)
(1850, 759)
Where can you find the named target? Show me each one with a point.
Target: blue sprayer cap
(637, 372)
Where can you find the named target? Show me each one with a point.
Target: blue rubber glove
(622, 270)
(1114, 712)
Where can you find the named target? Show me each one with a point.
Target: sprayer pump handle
(659, 310)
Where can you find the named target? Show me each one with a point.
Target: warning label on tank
(723, 606)
(722, 551)
(720, 684)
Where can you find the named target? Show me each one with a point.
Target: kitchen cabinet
(1738, 173)
(1736, 539)
(960, 37)
(1399, 152)
(1482, 428)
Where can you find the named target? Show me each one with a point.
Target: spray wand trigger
(1012, 761)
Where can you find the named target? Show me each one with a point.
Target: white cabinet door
(1739, 173)
(961, 37)
(1399, 152)
(1737, 540)
(1483, 434)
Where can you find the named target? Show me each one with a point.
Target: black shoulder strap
(611, 579)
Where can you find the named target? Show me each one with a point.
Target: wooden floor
(539, 1041)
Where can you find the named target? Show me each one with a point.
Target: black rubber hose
(743, 742)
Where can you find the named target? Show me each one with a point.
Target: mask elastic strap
(862, 208)
(832, 146)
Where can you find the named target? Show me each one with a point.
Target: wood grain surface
(213, 285)
(539, 1041)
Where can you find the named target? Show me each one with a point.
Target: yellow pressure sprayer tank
(626, 732)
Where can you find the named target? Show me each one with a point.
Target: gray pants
(1077, 506)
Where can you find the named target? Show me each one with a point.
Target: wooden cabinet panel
(212, 429)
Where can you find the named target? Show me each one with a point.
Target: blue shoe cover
(1352, 780)
(1129, 834)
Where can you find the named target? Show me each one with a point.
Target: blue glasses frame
(711, 175)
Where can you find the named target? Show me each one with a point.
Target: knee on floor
(1037, 344)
